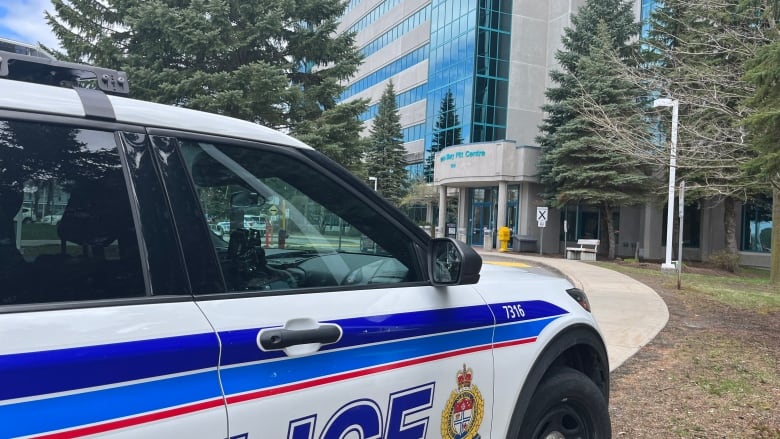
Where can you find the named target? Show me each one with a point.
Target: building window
(757, 226)
(691, 227)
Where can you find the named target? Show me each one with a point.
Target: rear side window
(66, 228)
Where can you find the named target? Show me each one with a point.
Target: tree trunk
(607, 209)
(730, 225)
(774, 276)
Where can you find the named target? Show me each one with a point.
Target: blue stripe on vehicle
(533, 309)
(258, 376)
(61, 370)
(515, 331)
(240, 346)
(68, 411)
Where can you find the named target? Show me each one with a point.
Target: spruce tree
(446, 132)
(577, 42)
(278, 63)
(587, 170)
(385, 150)
(576, 166)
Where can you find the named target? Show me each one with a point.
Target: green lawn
(747, 289)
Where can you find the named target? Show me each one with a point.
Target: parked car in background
(51, 219)
(28, 216)
(254, 222)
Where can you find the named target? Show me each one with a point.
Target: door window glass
(277, 223)
(66, 229)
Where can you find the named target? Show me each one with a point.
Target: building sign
(454, 157)
(485, 162)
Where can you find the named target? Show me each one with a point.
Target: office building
(494, 58)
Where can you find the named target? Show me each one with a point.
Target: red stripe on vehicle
(134, 421)
(259, 394)
(506, 344)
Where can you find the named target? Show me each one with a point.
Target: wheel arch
(579, 347)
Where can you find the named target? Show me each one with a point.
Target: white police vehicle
(130, 318)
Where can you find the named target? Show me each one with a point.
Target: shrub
(725, 260)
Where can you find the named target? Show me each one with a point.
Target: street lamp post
(674, 103)
(374, 179)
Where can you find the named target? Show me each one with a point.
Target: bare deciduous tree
(696, 53)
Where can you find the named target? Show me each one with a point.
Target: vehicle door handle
(282, 338)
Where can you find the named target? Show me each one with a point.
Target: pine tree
(385, 151)
(577, 42)
(278, 63)
(446, 132)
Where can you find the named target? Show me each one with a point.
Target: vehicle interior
(79, 240)
(313, 235)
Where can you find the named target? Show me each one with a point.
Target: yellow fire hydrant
(503, 238)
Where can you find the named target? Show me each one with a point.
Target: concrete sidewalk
(629, 313)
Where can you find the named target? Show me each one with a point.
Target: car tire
(567, 404)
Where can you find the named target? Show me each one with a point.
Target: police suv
(130, 317)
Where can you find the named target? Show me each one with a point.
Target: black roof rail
(60, 73)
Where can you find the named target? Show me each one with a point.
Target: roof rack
(38, 70)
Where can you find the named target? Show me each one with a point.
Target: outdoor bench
(585, 252)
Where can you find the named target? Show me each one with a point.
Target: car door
(319, 337)
(99, 334)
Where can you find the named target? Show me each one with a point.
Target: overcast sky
(23, 21)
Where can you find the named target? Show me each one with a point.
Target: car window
(66, 229)
(278, 223)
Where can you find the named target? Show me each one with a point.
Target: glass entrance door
(481, 217)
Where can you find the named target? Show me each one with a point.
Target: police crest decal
(464, 409)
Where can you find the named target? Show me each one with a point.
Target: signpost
(681, 209)
(541, 220)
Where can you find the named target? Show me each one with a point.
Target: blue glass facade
(492, 70)
(393, 34)
(373, 15)
(451, 62)
(412, 58)
(401, 100)
(468, 55)
(647, 8)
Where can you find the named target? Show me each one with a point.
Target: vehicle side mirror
(453, 263)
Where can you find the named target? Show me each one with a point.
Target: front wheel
(567, 405)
